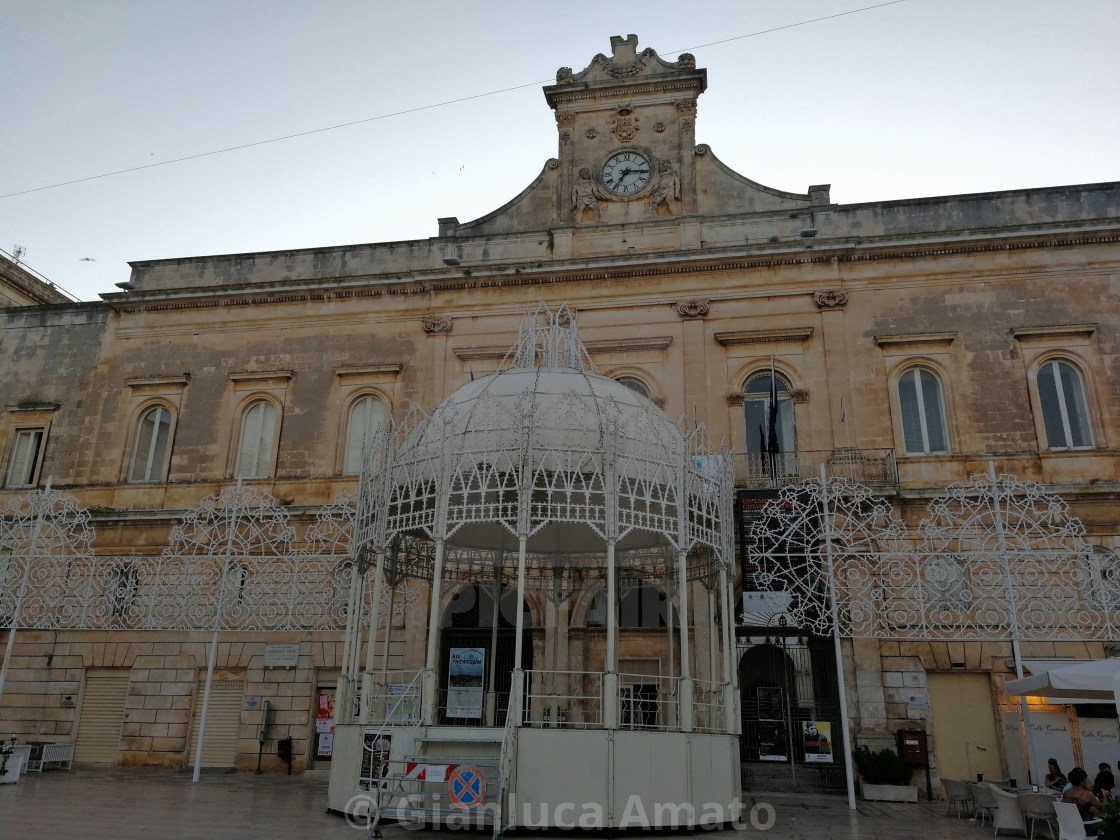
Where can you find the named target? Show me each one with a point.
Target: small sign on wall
(281, 655)
(252, 703)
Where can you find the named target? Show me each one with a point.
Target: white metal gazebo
(553, 479)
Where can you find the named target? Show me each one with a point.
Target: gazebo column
(684, 707)
(491, 701)
(517, 688)
(610, 666)
(732, 719)
(374, 620)
(431, 684)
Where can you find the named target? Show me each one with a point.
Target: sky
(907, 99)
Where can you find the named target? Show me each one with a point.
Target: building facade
(920, 338)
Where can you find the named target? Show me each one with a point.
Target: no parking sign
(466, 787)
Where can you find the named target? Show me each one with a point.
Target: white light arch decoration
(46, 552)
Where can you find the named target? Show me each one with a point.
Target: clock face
(626, 172)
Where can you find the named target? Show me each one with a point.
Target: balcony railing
(874, 467)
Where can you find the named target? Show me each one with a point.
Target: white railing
(875, 467)
(708, 714)
(395, 698)
(647, 702)
(564, 699)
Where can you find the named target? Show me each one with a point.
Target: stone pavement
(118, 803)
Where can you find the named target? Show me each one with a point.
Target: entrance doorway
(964, 726)
(469, 634)
(791, 714)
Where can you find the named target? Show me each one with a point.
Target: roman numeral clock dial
(626, 173)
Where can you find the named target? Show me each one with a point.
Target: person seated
(1055, 779)
(1080, 795)
(1104, 781)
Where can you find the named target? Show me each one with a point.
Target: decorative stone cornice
(694, 308)
(261, 378)
(366, 371)
(1056, 333)
(507, 276)
(33, 406)
(168, 382)
(601, 346)
(780, 336)
(435, 324)
(916, 343)
(831, 299)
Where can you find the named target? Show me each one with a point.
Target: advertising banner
(816, 737)
(466, 667)
(772, 741)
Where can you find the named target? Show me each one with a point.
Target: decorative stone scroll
(831, 299)
(434, 324)
(692, 308)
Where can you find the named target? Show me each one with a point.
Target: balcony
(873, 467)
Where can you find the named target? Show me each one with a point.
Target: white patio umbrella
(1091, 680)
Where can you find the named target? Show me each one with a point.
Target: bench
(38, 756)
(59, 755)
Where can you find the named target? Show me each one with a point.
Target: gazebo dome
(549, 449)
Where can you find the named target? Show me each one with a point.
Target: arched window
(923, 412)
(640, 604)
(149, 454)
(1065, 412)
(756, 411)
(258, 439)
(634, 384)
(366, 416)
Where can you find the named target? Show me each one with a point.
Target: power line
(419, 108)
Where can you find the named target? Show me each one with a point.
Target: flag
(772, 434)
(762, 448)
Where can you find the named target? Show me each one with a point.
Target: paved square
(120, 803)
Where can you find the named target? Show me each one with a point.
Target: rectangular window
(23, 464)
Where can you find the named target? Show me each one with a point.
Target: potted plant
(884, 776)
(10, 764)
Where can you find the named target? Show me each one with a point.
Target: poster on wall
(816, 739)
(402, 702)
(464, 682)
(376, 747)
(772, 741)
(326, 745)
(324, 714)
(771, 705)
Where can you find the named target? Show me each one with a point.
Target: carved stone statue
(583, 195)
(668, 187)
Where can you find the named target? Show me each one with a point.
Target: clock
(626, 172)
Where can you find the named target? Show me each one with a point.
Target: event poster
(816, 736)
(772, 741)
(464, 682)
(402, 703)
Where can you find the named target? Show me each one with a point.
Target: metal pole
(845, 725)
(611, 665)
(212, 658)
(430, 687)
(1012, 600)
(492, 676)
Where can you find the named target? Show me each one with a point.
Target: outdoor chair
(984, 803)
(1070, 826)
(959, 797)
(1038, 807)
(1007, 815)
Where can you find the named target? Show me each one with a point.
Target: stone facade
(693, 285)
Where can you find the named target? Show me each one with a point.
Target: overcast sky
(915, 98)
